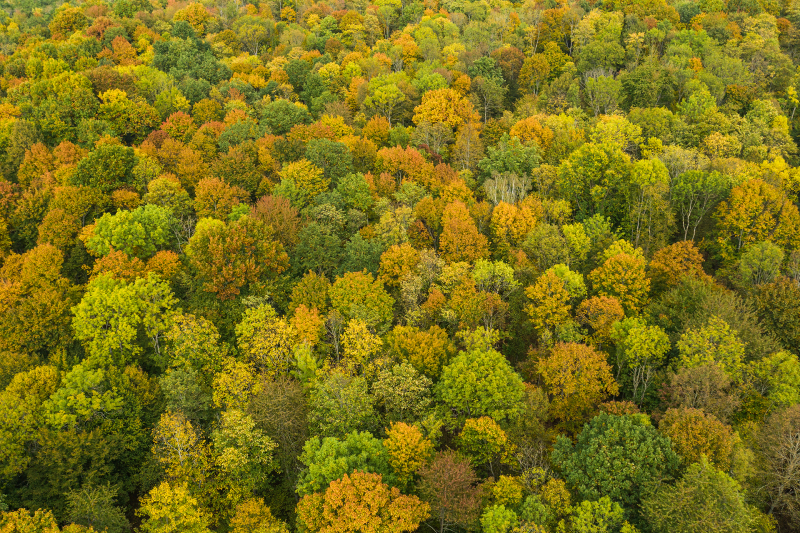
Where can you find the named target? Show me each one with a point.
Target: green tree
(112, 315)
(480, 382)
(340, 404)
(328, 459)
(694, 194)
(643, 349)
(402, 393)
(107, 168)
(615, 456)
(358, 295)
(601, 516)
(139, 233)
(704, 499)
(93, 506)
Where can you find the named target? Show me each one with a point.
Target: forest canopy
(410, 265)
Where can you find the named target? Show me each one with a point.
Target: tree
(139, 233)
(578, 378)
(408, 450)
(615, 456)
(35, 302)
(603, 94)
(485, 443)
(309, 179)
(384, 99)
(267, 340)
(280, 409)
(488, 94)
(448, 485)
(360, 503)
(93, 507)
(643, 349)
(779, 462)
(499, 519)
(112, 314)
(243, 456)
(704, 498)
(131, 119)
(216, 199)
(340, 404)
(756, 211)
(107, 167)
(549, 307)
(480, 382)
(40, 521)
(694, 434)
(714, 343)
(445, 105)
(592, 178)
(599, 313)
(707, 387)
(172, 509)
(694, 194)
(252, 516)
(183, 454)
(460, 239)
(761, 263)
(426, 350)
(278, 116)
(602, 516)
(334, 158)
(672, 262)
(396, 263)
(235, 257)
(402, 394)
(649, 218)
(776, 377)
(82, 399)
(622, 276)
(358, 295)
(328, 459)
(21, 404)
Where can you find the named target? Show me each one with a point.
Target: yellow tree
(266, 340)
(182, 452)
(599, 314)
(671, 263)
(549, 304)
(509, 225)
(359, 345)
(756, 211)
(253, 516)
(306, 176)
(427, 351)
(408, 450)
(623, 277)
(171, 508)
(447, 106)
(577, 378)
(396, 263)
